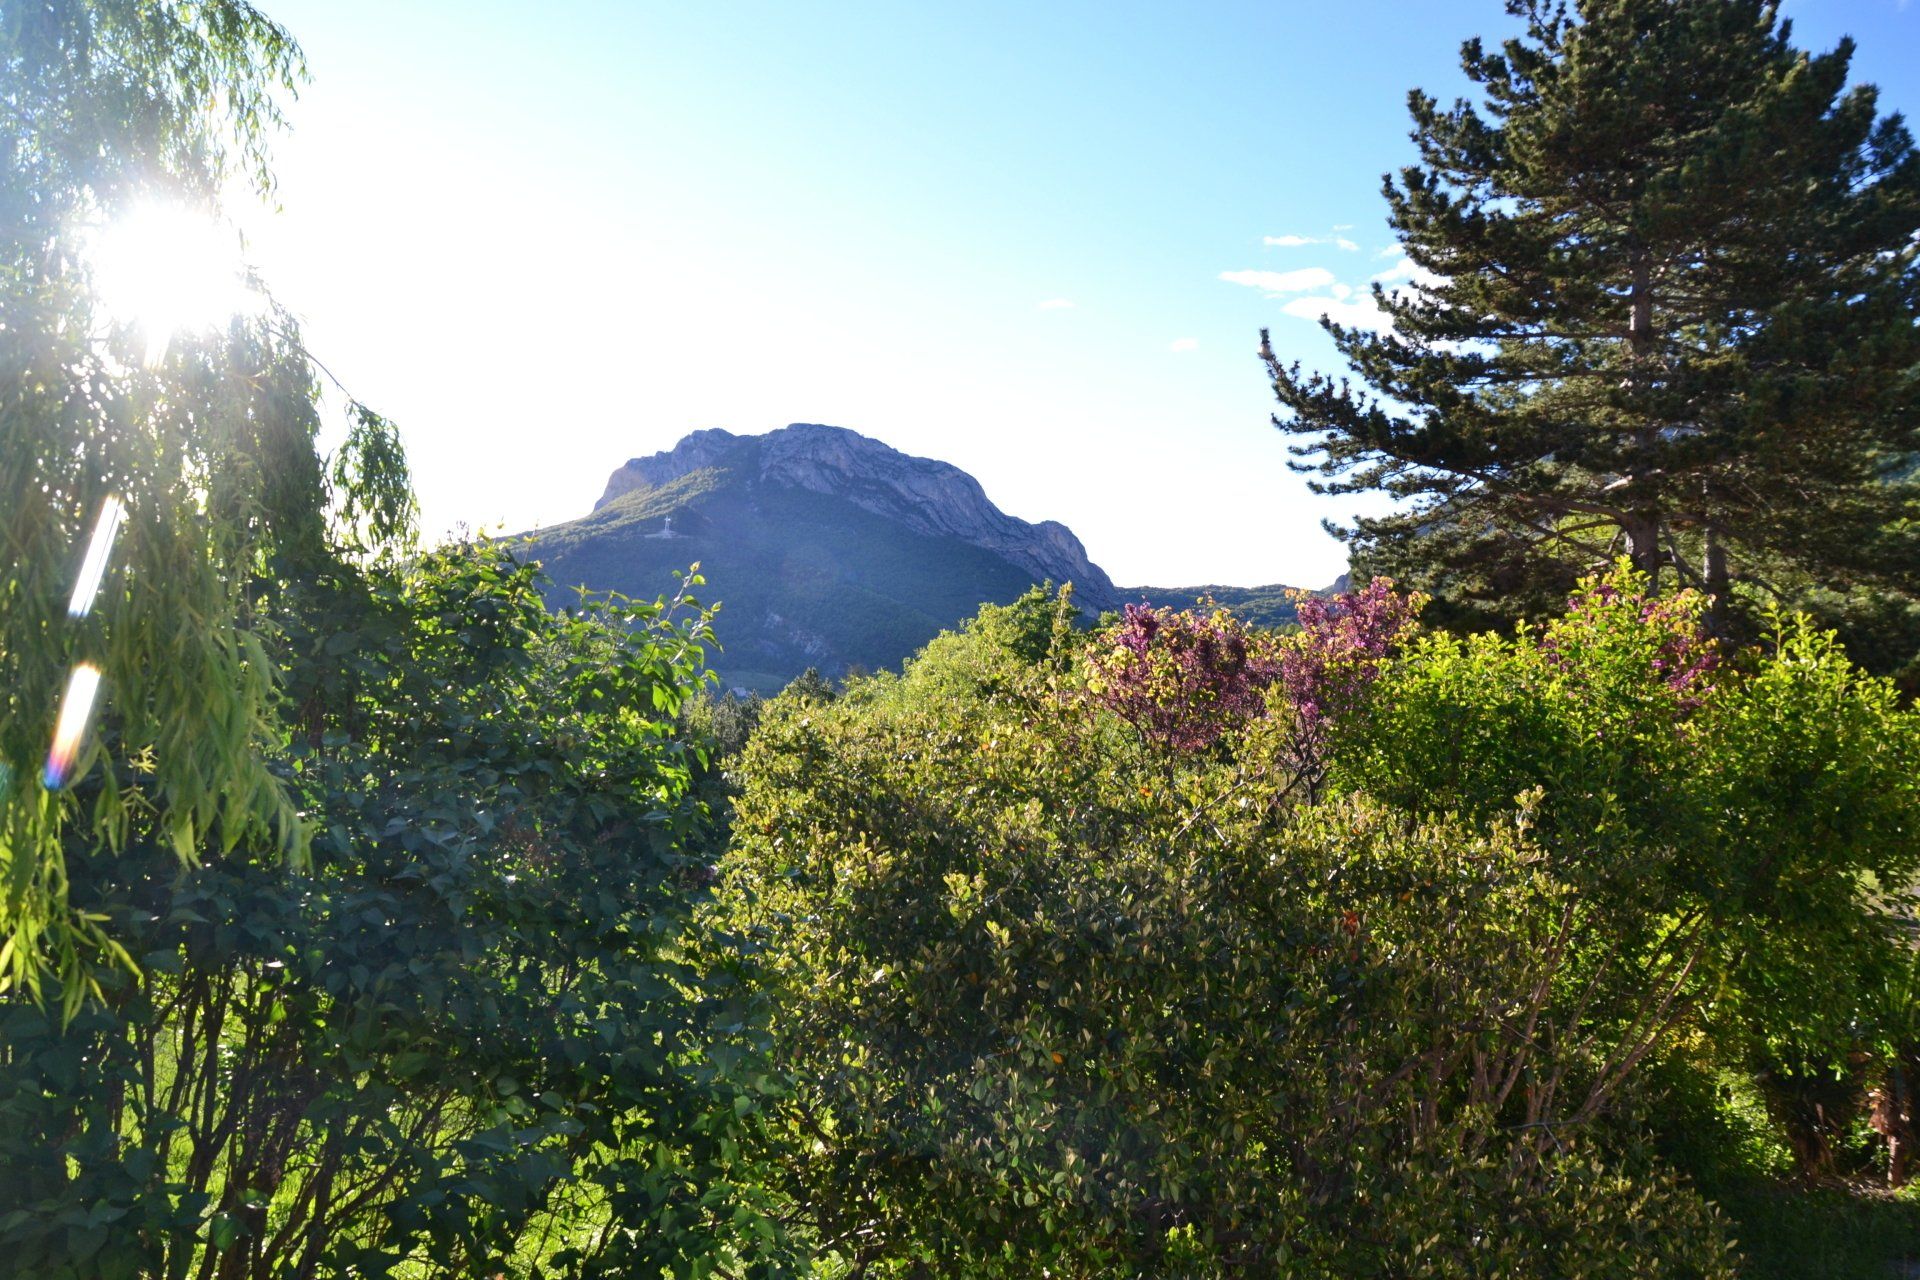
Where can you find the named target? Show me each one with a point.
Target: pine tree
(1671, 313)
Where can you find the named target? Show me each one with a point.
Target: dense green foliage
(1058, 991)
(1670, 312)
(1769, 796)
(393, 924)
(109, 103)
(477, 1031)
(368, 900)
(1762, 826)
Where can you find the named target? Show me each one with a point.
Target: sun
(163, 270)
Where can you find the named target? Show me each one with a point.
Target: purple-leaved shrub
(1184, 679)
(1338, 652)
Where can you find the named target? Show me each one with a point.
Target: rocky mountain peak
(925, 495)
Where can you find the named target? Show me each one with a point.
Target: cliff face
(823, 548)
(928, 497)
(828, 549)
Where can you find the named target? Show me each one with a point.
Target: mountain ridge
(829, 549)
(925, 494)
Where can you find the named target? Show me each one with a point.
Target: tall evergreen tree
(1671, 314)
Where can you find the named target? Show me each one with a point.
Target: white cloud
(1276, 282)
(1358, 313)
(1388, 252)
(1407, 269)
(1341, 291)
(1185, 344)
(1295, 242)
(1057, 304)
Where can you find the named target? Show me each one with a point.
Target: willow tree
(1670, 313)
(111, 105)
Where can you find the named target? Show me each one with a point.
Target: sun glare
(76, 709)
(164, 270)
(99, 550)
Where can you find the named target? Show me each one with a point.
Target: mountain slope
(825, 548)
(1268, 606)
(1262, 606)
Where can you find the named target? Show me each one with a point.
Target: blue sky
(989, 233)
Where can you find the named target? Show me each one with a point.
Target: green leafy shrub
(1748, 831)
(1056, 998)
(482, 1031)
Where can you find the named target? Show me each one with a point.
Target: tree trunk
(1813, 1102)
(1643, 547)
(1640, 321)
(1719, 601)
(1643, 527)
(1892, 1117)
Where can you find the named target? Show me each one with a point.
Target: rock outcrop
(926, 496)
(823, 548)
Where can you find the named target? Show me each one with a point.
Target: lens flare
(164, 270)
(94, 568)
(76, 709)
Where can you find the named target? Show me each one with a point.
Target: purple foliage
(1184, 679)
(1338, 652)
